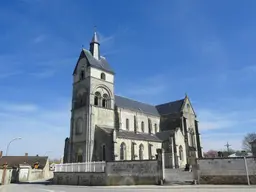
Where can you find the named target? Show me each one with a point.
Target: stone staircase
(178, 177)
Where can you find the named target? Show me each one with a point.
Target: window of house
(127, 124)
(133, 151)
(103, 76)
(149, 126)
(97, 99)
(192, 138)
(105, 101)
(142, 127)
(181, 153)
(80, 158)
(156, 129)
(141, 151)
(135, 124)
(123, 152)
(82, 75)
(149, 151)
(103, 152)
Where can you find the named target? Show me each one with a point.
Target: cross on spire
(227, 145)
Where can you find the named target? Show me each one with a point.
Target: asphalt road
(184, 188)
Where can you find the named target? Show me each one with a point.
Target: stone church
(108, 127)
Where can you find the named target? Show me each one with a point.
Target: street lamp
(18, 138)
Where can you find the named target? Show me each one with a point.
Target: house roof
(13, 161)
(127, 103)
(101, 64)
(170, 107)
(137, 136)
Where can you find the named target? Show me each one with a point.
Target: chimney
(26, 154)
(1, 154)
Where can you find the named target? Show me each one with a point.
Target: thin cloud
(36, 125)
(43, 74)
(11, 107)
(150, 87)
(39, 39)
(10, 74)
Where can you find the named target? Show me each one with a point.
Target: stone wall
(146, 172)
(81, 178)
(225, 171)
(8, 176)
(132, 172)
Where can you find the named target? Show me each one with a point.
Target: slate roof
(171, 107)
(137, 136)
(164, 135)
(14, 161)
(101, 64)
(127, 103)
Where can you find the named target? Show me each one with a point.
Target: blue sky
(159, 50)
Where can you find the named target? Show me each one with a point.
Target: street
(177, 188)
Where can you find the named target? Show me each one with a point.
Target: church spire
(95, 46)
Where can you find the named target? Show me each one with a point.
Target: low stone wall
(80, 178)
(226, 171)
(132, 173)
(116, 173)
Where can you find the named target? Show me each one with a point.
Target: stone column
(161, 166)
(198, 142)
(173, 157)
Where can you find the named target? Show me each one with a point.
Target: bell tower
(92, 101)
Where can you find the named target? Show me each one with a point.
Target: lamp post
(18, 138)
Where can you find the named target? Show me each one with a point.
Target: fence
(81, 167)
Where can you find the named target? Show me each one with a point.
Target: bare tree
(250, 137)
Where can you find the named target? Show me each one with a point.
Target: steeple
(95, 46)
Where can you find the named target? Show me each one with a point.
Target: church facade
(108, 127)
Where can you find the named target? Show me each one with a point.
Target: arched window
(79, 126)
(156, 129)
(127, 124)
(133, 151)
(82, 74)
(105, 101)
(142, 127)
(80, 155)
(123, 151)
(149, 126)
(103, 152)
(192, 138)
(181, 153)
(135, 123)
(149, 151)
(141, 151)
(103, 76)
(97, 99)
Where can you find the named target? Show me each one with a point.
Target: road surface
(184, 188)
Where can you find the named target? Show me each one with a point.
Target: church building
(108, 127)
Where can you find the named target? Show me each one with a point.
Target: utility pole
(227, 145)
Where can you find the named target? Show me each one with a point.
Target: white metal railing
(81, 167)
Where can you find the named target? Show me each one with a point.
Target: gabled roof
(101, 64)
(127, 103)
(137, 136)
(171, 107)
(14, 161)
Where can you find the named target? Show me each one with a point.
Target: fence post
(246, 169)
